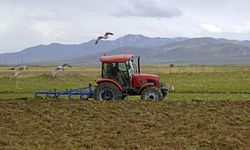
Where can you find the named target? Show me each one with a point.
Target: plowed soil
(57, 124)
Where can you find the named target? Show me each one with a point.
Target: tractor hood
(140, 80)
(146, 76)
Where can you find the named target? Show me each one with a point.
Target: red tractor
(121, 77)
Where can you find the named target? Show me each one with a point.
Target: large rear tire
(150, 93)
(107, 91)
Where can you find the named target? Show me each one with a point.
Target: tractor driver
(116, 73)
(113, 70)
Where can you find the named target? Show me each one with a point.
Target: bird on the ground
(19, 69)
(172, 88)
(59, 69)
(106, 36)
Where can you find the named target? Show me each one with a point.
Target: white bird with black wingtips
(106, 36)
(59, 69)
(19, 69)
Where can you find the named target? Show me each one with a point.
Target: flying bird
(106, 36)
(59, 69)
(19, 69)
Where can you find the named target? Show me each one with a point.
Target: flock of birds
(21, 68)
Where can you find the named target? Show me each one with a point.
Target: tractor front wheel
(151, 93)
(107, 91)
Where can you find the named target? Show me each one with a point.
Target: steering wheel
(122, 73)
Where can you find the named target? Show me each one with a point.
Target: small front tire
(152, 94)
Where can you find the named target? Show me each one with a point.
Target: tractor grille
(162, 85)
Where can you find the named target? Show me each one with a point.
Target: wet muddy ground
(51, 124)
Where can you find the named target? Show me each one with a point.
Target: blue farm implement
(84, 93)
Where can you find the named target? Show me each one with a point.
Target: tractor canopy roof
(116, 58)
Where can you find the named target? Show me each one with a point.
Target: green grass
(196, 82)
(229, 82)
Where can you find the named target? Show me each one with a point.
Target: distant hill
(153, 51)
(187, 51)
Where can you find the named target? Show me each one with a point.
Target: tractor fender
(144, 86)
(98, 81)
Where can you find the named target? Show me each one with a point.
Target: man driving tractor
(112, 70)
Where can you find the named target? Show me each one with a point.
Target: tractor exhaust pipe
(139, 68)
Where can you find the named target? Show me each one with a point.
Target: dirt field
(209, 109)
(51, 124)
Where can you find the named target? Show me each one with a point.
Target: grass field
(209, 109)
(206, 83)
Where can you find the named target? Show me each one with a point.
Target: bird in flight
(106, 36)
(59, 69)
(19, 69)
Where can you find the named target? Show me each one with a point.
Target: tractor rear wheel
(151, 93)
(107, 91)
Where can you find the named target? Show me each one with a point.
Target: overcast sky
(26, 23)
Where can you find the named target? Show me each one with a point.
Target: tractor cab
(120, 70)
(120, 77)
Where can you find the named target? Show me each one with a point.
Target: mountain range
(157, 50)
